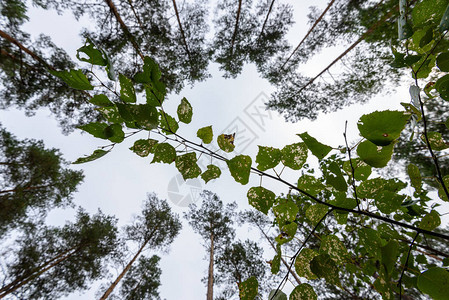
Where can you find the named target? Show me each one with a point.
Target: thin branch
(309, 32)
(266, 18)
(405, 265)
(236, 26)
(184, 40)
(352, 167)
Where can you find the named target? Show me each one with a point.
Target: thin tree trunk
(236, 27)
(367, 33)
(119, 19)
(41, 271)
(310, 31)
(266, 18)
(282, 259)
(210, 279)
(125, 270)
(184, 40)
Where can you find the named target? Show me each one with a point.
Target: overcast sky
(118, 182)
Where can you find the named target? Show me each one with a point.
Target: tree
(213, 222)
(51, 262)
(238, 262)
(154, 229)
(391, 221)
(32, 178)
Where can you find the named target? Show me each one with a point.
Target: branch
(352, 167)
(184, 40)
(236, 27)
(405, 265)
(266, 18)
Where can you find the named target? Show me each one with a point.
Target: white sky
(118, 182)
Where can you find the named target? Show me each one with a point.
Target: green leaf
(240, 168)
(316, 212)
(248, 289)
(361, 170)
(317, 149)
(294, 156)
(127, 92)
(74, 79)
(96, 129)
(388, 202)
(430, 221)
(436, 141)
(276, 262)
(95, 56)
(390, 253)
(150, 73)
(154, 98)
(373, 155)
(114, 133)
(382, 127)
(332, 245)
(310, 184)
(415, 177)
(168, 123)
(435, 283)
(185, 111)
(288, 232)
(226, 142)
(109, 67)
(267, 158)
(428, 12)
(277, 295)
(303, 291)
(125, 112)
(441, 192)
(302, 263)
(444, 23)
(427, 38)
(205, 134)
(442, 86)
(143, 147)
(187, 165)
(335, 178)
(370, 239)
(373, 187)
(443, 61)
(101, 100)
(145, 115)
(261, 198)
(212, 172)
(111, 114)
(285, 211)
(164, 153)
(96, 155)
(324, 267)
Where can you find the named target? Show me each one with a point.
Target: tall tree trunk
(236, 27)
(210, 279)
(125, 270)
(181, 30)
(266, 18)
(119, 19)
(17, 284)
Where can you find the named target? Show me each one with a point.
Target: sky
(118, 183)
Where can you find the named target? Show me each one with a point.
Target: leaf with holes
(361, 170)
(372, 187)
(316, 212)
(267, 158)
(415, 177)
(430, 221)
(442, 86)
(332, 245)
(276, 262)
(302, 263)
(303, 291)
(205, 134)
(310, 184)
(441, 191)
(294, 156)
(388, 202)
(248, 289)
(94, 55)
(382, 127)
(318, 149)
(240, 168)
(101, 100)
(285, 211)
(143, 147)
(164, 153)
(324, 267)
(168, 123)
(370, 239)
(96, 155)
(127, 92)
(436, 141)
(261, 198)
(287, 233)
(185, 111)
(212, 172)
(225, 142)
(187, 165)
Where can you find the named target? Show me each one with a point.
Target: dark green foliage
(51, 262)
(33, 180)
